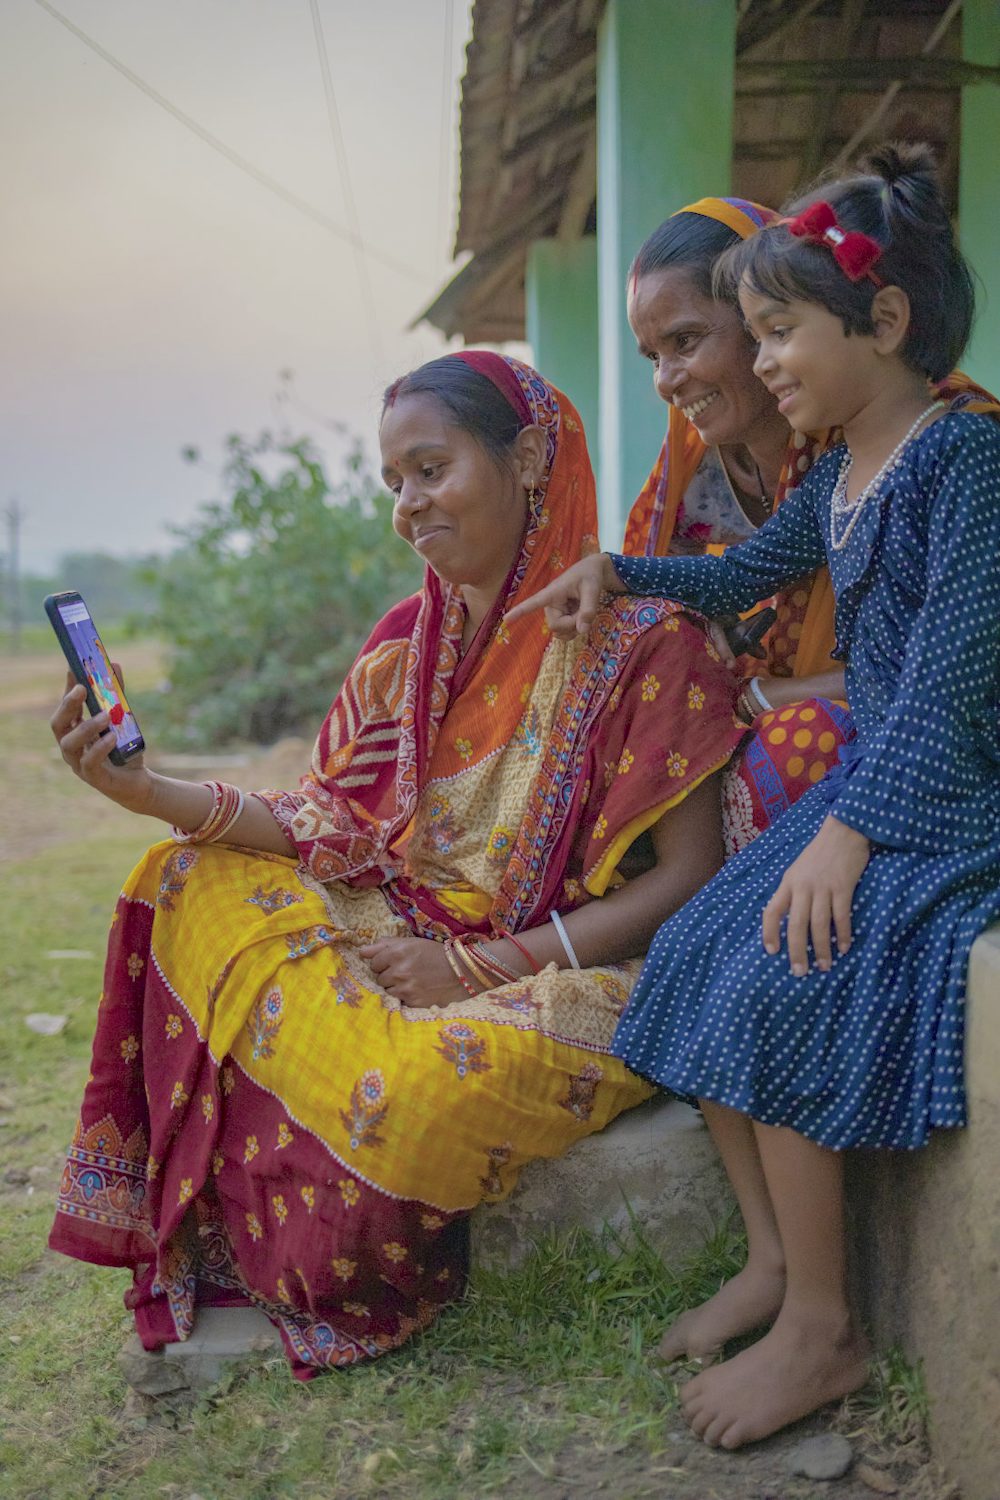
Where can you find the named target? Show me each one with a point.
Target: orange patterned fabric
(423, 747)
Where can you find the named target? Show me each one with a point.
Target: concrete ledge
(221, 1335)
(657, 1161)
(926, 1233)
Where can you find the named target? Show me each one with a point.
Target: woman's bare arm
(184, 804)
(688, 845)
(781, 691)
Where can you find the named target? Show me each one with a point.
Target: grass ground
(540, 1381)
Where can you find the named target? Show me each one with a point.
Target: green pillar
(978, 187)
(664, 138)
(560, 289)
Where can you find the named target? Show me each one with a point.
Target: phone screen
(101, 675)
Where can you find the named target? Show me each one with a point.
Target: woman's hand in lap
(815, 894)
(572, 601)
(414, 970)
(85, 749)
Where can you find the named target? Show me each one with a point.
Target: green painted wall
(664, 138)
(978, 183)
(561, 323)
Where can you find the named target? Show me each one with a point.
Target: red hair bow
(854, 253)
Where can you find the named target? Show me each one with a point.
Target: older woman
(728, 459)
(336, 1019)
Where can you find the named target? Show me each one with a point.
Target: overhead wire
(333, 116)
(444, 140)
(234, 157)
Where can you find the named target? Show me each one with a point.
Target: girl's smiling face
(818, 374)
(701, 356)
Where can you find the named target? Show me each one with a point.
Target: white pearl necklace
(839, 503)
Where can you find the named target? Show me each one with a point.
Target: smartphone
(744, 636)
(91, 665)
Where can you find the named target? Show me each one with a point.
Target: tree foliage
(274, 589)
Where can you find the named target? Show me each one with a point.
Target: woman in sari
(334, 1020)
(728, 460)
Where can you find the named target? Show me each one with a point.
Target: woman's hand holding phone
(86, 745)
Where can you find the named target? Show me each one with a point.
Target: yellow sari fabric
(421, 1104)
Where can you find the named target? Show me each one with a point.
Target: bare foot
(796, 1368)
(747, 1300)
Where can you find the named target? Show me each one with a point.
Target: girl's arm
(184, 804)
(688, 845)
(790, 545)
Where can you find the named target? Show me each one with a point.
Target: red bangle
(536, 968)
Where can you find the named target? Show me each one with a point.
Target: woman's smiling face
(454, 503)
(701, 356)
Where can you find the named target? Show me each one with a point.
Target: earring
(532, 497)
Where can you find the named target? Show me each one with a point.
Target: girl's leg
(814, 1353)
(753, 1296)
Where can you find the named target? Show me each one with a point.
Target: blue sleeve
(929, 779)
(787, 547)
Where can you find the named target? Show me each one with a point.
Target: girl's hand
(414, 970)
(815, 894)
(572, 601)
(85, 750)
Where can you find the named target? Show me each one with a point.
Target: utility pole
(14, 515)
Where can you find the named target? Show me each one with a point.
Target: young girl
(844, 1025)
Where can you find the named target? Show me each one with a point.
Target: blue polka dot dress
(870, 1053)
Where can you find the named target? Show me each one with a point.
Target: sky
(151, 292)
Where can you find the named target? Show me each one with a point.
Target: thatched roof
(814, 79)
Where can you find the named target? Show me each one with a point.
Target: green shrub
(273, 590)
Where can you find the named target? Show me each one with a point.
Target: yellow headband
(724, 212)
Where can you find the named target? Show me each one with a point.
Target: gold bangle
(460, 950)
(456, 969)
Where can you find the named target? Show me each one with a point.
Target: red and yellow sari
(264, 1123)
(791, 748)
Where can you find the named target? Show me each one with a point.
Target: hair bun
(896, 161)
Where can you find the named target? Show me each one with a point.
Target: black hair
(687, 241)
(895, 198)
(472, 401)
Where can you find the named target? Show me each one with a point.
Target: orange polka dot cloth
(789, 750)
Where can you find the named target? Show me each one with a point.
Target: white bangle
(560, 928)
(755, 688)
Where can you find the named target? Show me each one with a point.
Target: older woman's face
(702, 358)
(455, 506)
